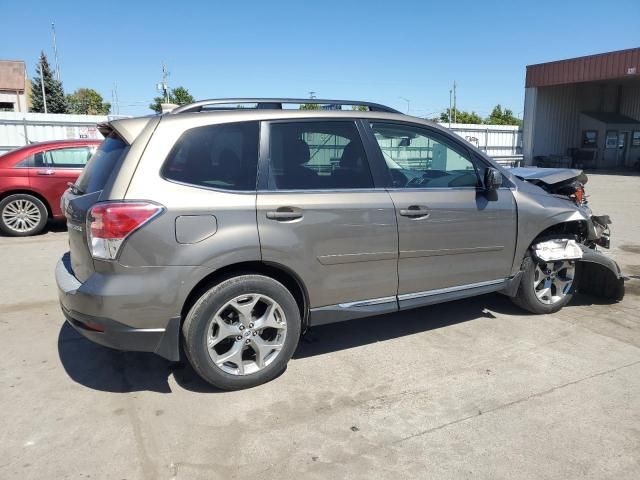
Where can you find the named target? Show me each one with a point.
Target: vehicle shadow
(105, 369)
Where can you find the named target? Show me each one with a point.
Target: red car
(32, 180)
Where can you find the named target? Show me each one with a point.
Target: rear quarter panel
(236, 238)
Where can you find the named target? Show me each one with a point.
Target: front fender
(537, 211)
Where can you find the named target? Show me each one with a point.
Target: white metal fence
(502, 142)
(18, 129)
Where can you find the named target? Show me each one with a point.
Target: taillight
(579, 196)
(110, 223)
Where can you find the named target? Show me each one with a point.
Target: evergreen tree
(56, 101)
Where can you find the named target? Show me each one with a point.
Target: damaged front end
(596, 273)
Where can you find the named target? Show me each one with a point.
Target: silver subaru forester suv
(224, 229)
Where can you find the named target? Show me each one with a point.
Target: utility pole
(450, 94)
(44, 95)
(114, 98)
(163, 86)
(455, 107)
(312, 94)
(55, 50)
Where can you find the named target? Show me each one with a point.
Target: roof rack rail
(275, 104)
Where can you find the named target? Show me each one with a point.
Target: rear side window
(75, 157)
(106, 159)
(317, 155)
(216, 156)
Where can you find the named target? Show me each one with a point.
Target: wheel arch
(276, 271)
(33, 193)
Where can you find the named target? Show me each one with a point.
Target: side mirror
(492, 179)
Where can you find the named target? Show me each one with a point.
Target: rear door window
(216, 156)
(75, 157)
(317, 155)
(100, 166)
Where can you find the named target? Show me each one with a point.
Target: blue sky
(377, 51)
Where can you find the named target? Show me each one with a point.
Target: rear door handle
(415, 211)
(47, 171)
(285, 213)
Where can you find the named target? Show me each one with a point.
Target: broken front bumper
(596, 273)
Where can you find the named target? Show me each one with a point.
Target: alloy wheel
(21, 215)
(246, 334)
(553, 280)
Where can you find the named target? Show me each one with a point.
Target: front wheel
(546, 287)
(242, 332)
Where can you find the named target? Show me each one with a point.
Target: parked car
(32, 180)
(225, 234)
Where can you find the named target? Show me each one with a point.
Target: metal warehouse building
(584, 112)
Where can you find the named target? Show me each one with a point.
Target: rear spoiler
(126, 128)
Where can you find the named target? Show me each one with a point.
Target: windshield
(99, 167)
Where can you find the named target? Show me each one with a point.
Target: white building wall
(19, 100)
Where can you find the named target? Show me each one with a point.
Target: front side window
(216, 156)
(75, 157)
(418, 158)
(317, 155)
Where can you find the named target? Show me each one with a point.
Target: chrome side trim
(448, 251)
(337, 259)
(428, 293)
(366, 303)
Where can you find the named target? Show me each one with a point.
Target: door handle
(415, 211)
(285, 213)
(47, 171)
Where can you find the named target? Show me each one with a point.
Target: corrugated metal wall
(18, 129)
(603, 66)
(630, 102)
(552, 114)
(556, 121)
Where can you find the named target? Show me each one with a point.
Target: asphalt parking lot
(470, 389)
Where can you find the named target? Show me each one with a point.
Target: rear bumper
(84, 306)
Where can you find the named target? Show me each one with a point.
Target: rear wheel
(242, 332)
(22, 215)
(546, 287)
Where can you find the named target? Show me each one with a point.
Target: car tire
(22, 215)
(529, 295)
(216, 317)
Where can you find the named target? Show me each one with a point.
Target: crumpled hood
(550, 176)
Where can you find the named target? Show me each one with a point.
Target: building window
(612, 139)
(589, 138)
(635, 139)
(7, 107)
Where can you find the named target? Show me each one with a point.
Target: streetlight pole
(408, 104)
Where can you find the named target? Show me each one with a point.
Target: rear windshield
(95, 175)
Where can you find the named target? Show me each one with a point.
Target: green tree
(88, 102)
(498, 116)
(56, 101)
(309, 106)
(360, 108)
(460, 117)
(178, 95)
